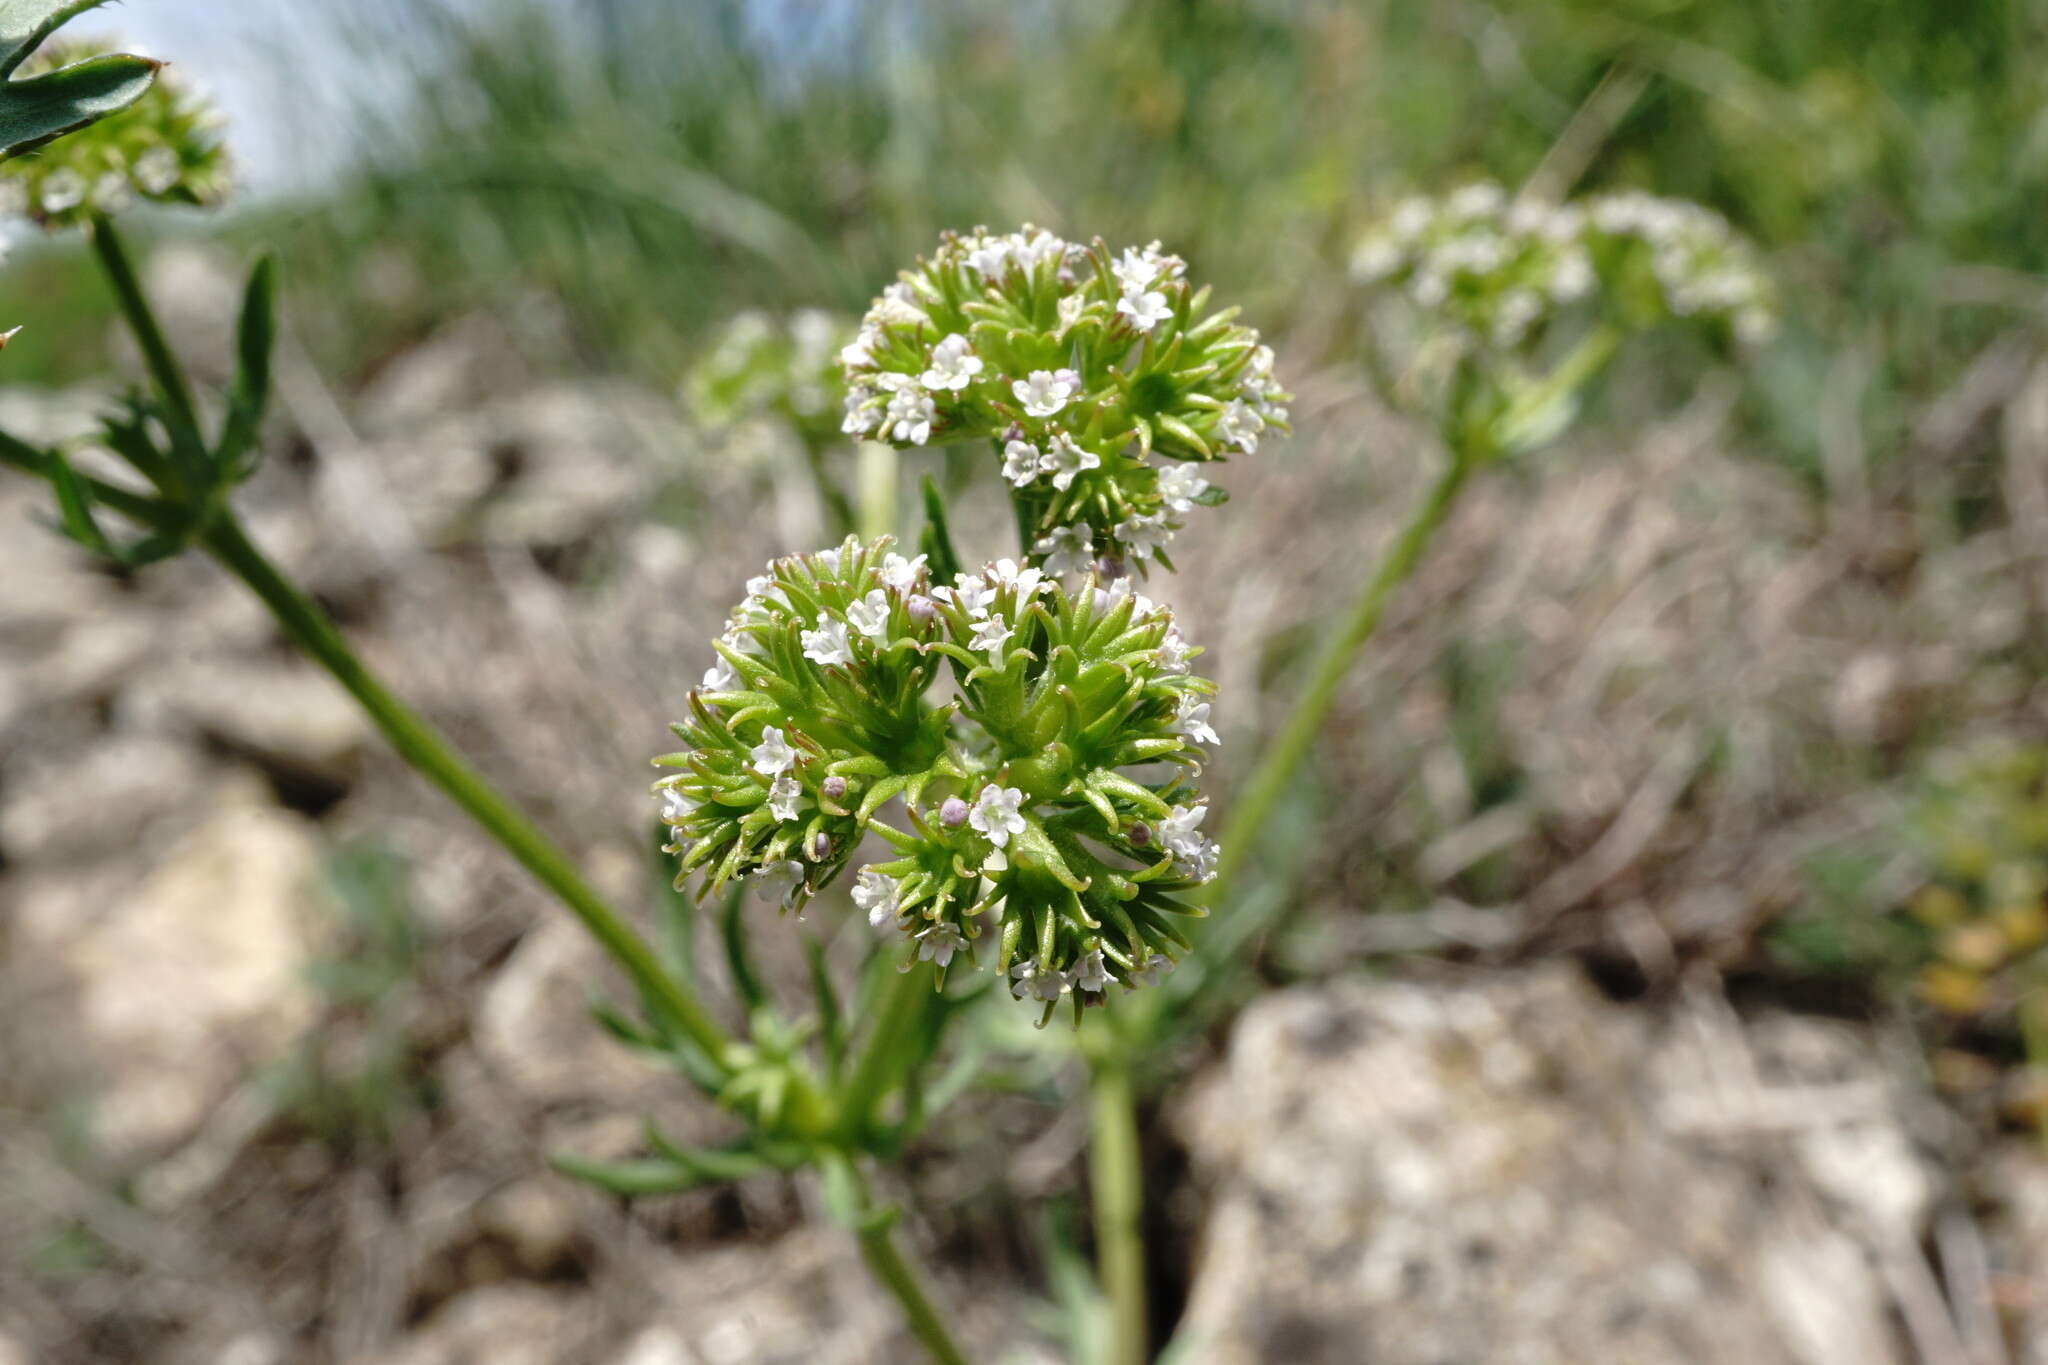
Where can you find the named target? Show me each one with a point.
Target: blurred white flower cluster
(1500, 270)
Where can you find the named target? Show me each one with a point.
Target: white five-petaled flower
(870, 615)
(900, 573)
(954, 365)
(783, 794)
(1145, 310)
(1065, 460)
(1026, 583)
(1045, 392)
(1021, 462)
(1145, 536)
(971, 592)
(859, 353)
(1030, 981)
(989, 257)
(1135, 269)
(875, 891)
(1192, 720)
(773, 754)
(828, 645)
(1194, 853)
(1089, 973)
(1180, 485)
(781, 881)
(991, 633)
(1141, 605)
(1172, 654)
(996, 815)
(718, 677)
(1067, 550)
(1240, 425)
(1035, 245)
(911, 412)
(937, 943)
(676, 804)
(860, 416)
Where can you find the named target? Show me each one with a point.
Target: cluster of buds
(763, 366)
(164, 148)
(1500, 270)
(1049, 817)
(1983, 913)
(1103, 383)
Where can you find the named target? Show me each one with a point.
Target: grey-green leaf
(34, 111)
(25, 23)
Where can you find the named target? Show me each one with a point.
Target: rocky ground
(288, 1046)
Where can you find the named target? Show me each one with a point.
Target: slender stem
(839, 516)
(886, 1260)
(156, 353)
(1117, 1184)
(417, 743)
(876, 485)
(881, 1061)
(1276, 768)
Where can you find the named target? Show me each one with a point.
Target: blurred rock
(503, 1324)
(1517, 1170)
(82, 802)
(535, 1029)
(288, 712)
(188, 978)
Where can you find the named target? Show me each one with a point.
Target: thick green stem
(1305, 725)
(1117, 1183)
(179, 411)
(878, 1248)
(880, 1063)
(417, 743)
(877, 490)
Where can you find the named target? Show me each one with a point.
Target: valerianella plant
(1104, 384)
(1049, 812)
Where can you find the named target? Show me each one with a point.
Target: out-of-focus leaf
(37, 110)
(257, 332)
(648, 1175)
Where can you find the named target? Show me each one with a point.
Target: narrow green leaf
(936, 541)
(35, 111)
(831, 1018)
(643, 1176)
(74, 504)
(738, 956)
(250, 395)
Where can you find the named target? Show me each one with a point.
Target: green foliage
(80, 91)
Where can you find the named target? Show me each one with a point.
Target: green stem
(417, 743)
(1305, 725)
(876, 474)
(878, 1248)
(839, 516)
(179, 412)
(1117, 1182)
(880, 1062)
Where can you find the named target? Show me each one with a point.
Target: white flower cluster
(1500, 270)
(1099, 381)
(762, 364)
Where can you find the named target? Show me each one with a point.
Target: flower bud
(833, 788)
(953, 813)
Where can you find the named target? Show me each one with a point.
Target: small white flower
(1152, 972)
(1145, 536)
(991, 633)
(859, 353)
(954, 365)
(1240, 426)
(1045, 392)
(1192, 720)
(676, 804)
(1172, 654)
(1032, 983)
(996, 814)
(875, 891)
(1027, 583)
(1135, 270)
(1376, 258)
(828, 560)
(827, 645)
(939, 942)
(989, 258)
(1033, 245)
(783, 794)
(971, 592)
(1064, 461)
(910, 416)
(1089, 973)
(870, 615)
(781, 881)
(1479, 200)
(63, 189)
(157, 170)
(860, 416)
(900, 573)
(718, 677)
(898, 304)
(1193, 853)
(1067, 550)
(1141, 605)
(1021, 462)
(773, 754)
(1146, 310)
(1180, 485)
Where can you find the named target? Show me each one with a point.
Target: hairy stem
(1305, 725)
(1117, 1184)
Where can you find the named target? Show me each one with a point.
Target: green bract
(164, 147)
(1050, 815)
(1103, 384)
